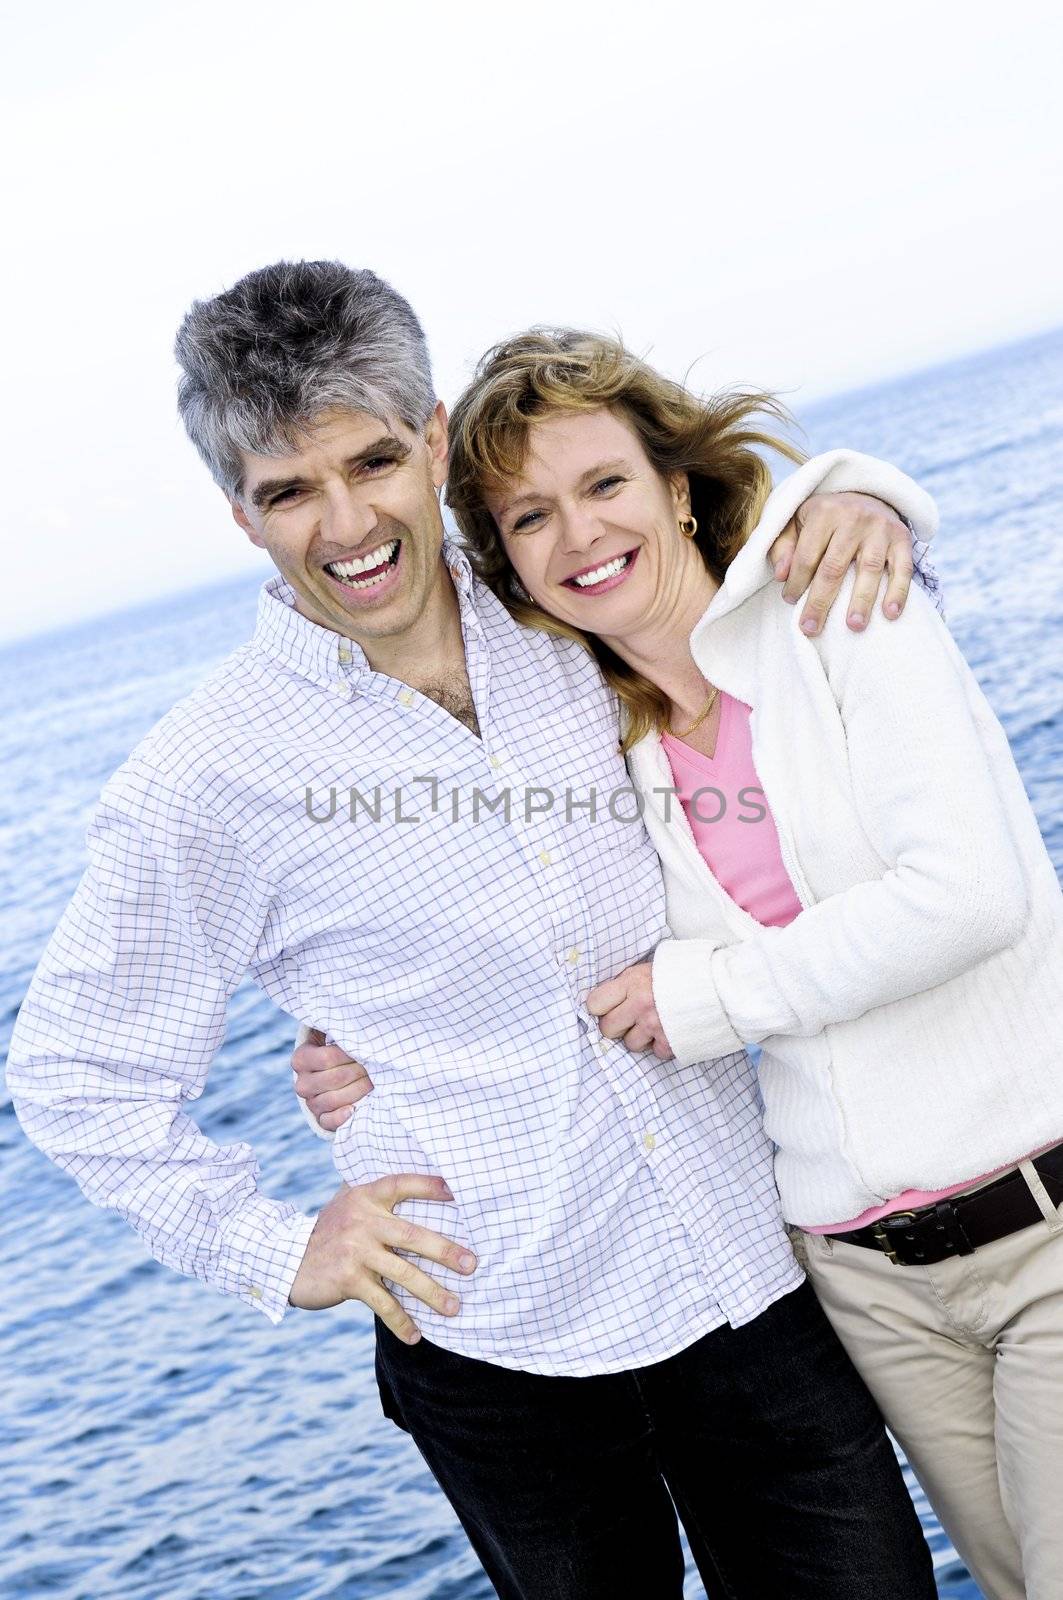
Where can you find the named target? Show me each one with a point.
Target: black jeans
(763, 1438)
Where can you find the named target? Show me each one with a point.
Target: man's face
(352, 520)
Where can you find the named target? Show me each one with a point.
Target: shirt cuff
(270, 1246)
(695, 1023)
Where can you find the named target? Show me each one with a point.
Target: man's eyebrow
(263, 492)
(385, 446)
(388, 444)
(599, 470)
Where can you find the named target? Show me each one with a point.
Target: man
(328, 812)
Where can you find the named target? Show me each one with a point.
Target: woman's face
(592, 529)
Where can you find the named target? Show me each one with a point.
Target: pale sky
(808, 197)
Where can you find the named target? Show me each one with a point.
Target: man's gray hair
(287, 343)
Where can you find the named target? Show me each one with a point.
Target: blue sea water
(163, 1443)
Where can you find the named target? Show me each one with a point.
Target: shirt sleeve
(925, 572)
(952, 891)
(118, 1030)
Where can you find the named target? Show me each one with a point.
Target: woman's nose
(580, 529)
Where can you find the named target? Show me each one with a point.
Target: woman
(889, 932)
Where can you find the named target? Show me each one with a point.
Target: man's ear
(242, 520)
(436, 437)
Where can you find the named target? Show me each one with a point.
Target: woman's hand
(819, 544)
(625, 1009)
(329, 1081)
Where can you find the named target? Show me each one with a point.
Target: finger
(900, 568)
(398, 1233)
(814, 529)
(320, 1058)
(781, 553)
(616, 1023)
(336, 1079)
(638, 1038)
(396, 1269)
(333, 1120)
(336, 1099)
(826, 582)
(870, 565)
(399, 1186)
(314, 1036)
(389, 1311)
(663, 1050)
(605, 996)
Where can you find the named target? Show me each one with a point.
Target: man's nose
(347, 519)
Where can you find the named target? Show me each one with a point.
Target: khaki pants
(966, 1362)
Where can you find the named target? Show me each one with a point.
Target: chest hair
(455, 696)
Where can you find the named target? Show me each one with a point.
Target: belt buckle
(881, 1236)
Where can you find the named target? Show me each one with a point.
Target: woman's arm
(952, 893)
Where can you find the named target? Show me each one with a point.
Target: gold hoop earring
(688, 527)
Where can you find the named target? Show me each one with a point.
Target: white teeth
(600, 574)
(351, 569)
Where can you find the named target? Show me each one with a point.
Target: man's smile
(371, 575)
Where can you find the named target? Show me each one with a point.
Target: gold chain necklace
(698, 720)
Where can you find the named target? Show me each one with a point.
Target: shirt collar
(320, 654)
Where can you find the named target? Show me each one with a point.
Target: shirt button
(406, 697)
(340, 688)
(254, 1291)
(573, 956)
(649, 1141)
(495, 762)
(546, 858)
(345, 657)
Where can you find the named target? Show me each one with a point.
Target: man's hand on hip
(351, 1253)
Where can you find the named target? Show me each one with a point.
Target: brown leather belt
(959, 1226)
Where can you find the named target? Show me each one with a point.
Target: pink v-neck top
(730, 820)
(735, 833)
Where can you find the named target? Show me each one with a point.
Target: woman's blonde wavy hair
(552, 371)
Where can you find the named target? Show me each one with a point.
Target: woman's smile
(605, 575)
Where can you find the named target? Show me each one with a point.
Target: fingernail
(893, 608)
(809, 625)
(780, 567)
(856, 619)
(467, 1262)
(791, 599)
(450, 1304)
(412, 1338)
(446, 1192)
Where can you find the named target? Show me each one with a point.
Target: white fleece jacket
(911, 1018)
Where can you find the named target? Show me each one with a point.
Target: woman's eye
(605, 484)
(527, 521)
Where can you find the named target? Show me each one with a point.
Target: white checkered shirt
(620, 1208)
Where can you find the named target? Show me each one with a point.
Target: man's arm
(122, 1020)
